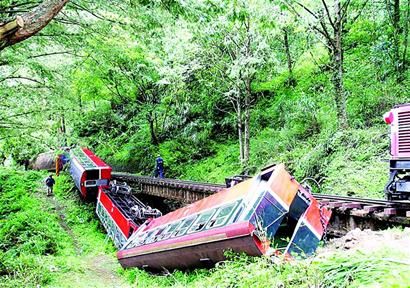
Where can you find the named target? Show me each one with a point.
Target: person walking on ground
(50, 183)
(159, 167)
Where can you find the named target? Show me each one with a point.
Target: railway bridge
(179, 190)
(348, 212)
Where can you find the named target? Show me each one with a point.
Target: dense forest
(216, 87)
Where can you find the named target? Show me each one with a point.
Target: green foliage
(359, 269)
(39, 236)
(342, 271)
(28, 231)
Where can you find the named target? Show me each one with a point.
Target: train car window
(149, 236)
(102, 182)
(221, 216)
(157, 236)
(93, 174)
(201, 221)
(238, 213)
(184, 226)
(90, 183)
(137, 241)
(169, 231)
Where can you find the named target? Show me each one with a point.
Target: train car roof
(226, 195)
(88, 159)
(276, 174)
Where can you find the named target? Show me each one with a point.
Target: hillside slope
(58, 242)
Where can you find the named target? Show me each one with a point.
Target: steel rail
(211, 187)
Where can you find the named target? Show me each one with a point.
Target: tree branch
(328, 14)
(28, 24)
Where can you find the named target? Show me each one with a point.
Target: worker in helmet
(159, 167)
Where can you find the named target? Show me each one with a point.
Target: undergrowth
(29, 232)
(382, 268)
(353, 162)
(36, 249)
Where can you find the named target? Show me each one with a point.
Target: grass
(29, 232)
(48, 241)
(36, 249)
(380, 268)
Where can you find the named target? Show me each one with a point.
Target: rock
(45, 161)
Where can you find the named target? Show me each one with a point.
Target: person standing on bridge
(159, 167)
(50, 183)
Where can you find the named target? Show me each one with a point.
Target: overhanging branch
(28, 24)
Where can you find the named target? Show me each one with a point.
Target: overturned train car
(88, 172)
(247, 217)
(121, 213)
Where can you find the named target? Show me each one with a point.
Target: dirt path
(96, 271)
(60, 212)
(90, 270)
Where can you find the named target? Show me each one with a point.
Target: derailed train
(243, 218)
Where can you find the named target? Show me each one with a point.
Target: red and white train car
(243, 218)
(398, 185)
(88, 172)
(121, 213)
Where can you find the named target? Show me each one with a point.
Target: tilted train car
(243, 218)
(121, 213)
(88, 172)
(398, 186)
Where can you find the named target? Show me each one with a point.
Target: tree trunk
(80, 103)
(406, 38)
(63, 130)
(337, 59)
(396, 36)
(29, 23)
(239, 126)
(291, 80)
(246, 123)
(154, 138)
(399, 59)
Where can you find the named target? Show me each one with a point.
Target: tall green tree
(332, 21)
(398, 15)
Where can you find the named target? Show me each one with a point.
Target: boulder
(45, 161)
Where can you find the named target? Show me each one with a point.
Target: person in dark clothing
(159, 167)
(50, 183)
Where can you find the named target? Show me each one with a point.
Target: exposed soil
(370, 241)
(96, 271)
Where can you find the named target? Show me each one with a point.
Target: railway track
(348, 212)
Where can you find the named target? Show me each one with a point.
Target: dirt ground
(368, 241)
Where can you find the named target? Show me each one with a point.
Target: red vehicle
(88, 172)
(121, 213)
(243, 218)
(398, 186)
